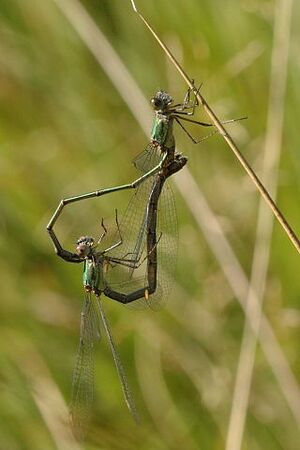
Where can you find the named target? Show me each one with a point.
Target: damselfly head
(161, 101)
(84, 246)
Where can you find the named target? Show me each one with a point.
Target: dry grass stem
(217, 123)
(261, 256)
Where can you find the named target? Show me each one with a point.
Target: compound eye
(156, 103)
(81, 249)
(84, 246)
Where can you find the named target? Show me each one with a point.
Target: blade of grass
(165, 414)
(108, 59)
(239, 283)
(278, 77)
(44, 390)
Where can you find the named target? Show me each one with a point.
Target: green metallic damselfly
(161, 148)
(97, 264)
(135, 269)
(162, 137)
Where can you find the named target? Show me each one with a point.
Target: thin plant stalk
(242, 388)
(217, 123)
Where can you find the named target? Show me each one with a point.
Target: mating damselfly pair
(139, 265)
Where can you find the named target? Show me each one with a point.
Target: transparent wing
(133, 223)
(119, 366)
(148, 159)
(167, 233)
(133, 233)
(83, 375)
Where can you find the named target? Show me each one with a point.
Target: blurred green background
(65, 130)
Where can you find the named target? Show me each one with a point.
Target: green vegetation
(65, 130)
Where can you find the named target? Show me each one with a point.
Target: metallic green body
(162, 131)
(92, 275)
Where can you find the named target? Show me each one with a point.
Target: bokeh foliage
(65, 130)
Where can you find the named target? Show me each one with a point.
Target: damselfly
(162, 136)
(97, 265)
(160, 150)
